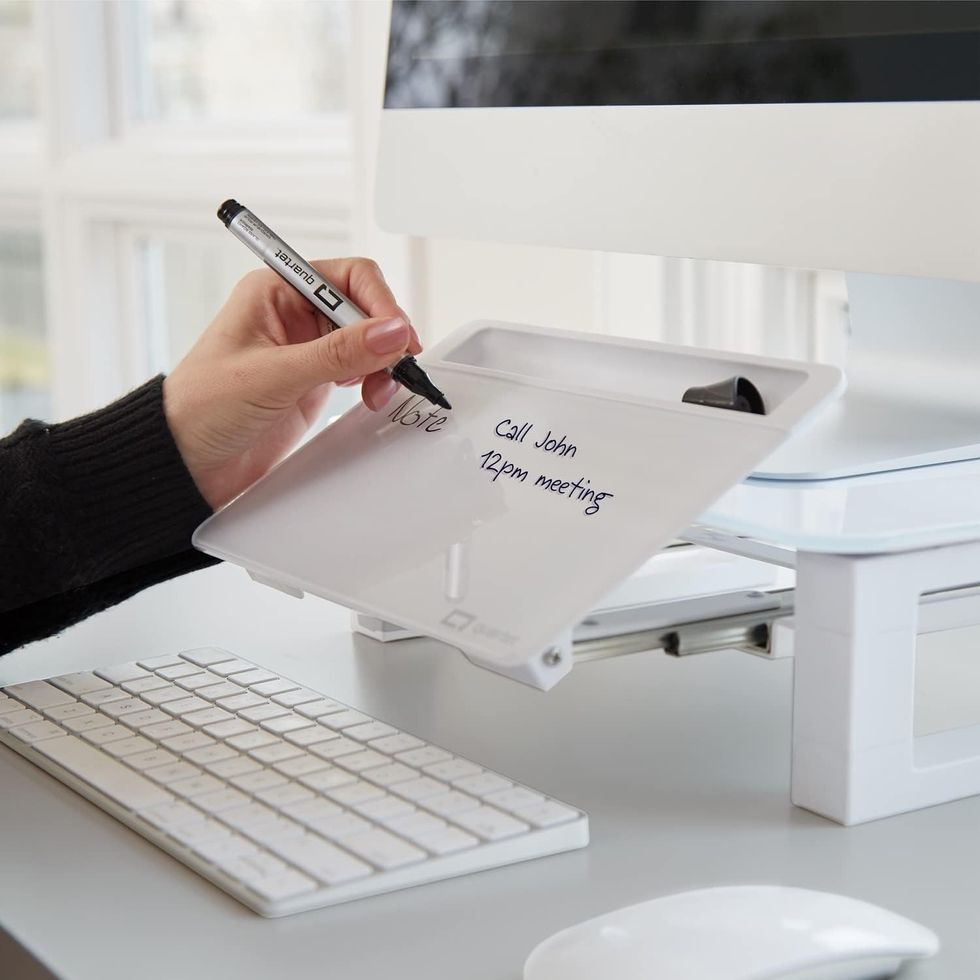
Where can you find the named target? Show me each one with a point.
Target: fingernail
(382, 395)
(387, 336)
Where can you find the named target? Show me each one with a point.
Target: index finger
(363, 280)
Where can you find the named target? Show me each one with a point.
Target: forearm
(93, 510)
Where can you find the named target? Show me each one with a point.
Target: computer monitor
(829, 135)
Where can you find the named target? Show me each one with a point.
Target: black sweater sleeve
(91, 511)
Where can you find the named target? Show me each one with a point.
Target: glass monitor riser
(913, 384)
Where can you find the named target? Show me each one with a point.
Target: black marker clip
(736, 394)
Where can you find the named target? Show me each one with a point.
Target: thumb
(350, 352)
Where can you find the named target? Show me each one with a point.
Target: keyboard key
(396, 743)
(151, 759)
(177, 670)
(115, 709)
(161, 695)
(356, 761)
(153, 663)
(275, 686)
(514, 798)
(391, 774)
(166, 729)
(489, 823)
(327, 779)
(384, 806)
(335, 747)
(228, 667)
(310, 736)
(224, 849)
(249, 677)
(103, 696)
(300, 765)
(356, 792)
(107, 775)
(426, 756)
(286, 723)
(299, 695)
(452, 769)
(226, 768)
(23, 716)
(195, 786)
(449, 804)
(225, 728)
(262, 863)
(241, 699)
(314, 709)
(342, 825)
(271, 832)
(213, 692)
(192, 740)
(207, 716)
(39, 694)
(415, 825)
(446, 841)
(279, 796)
(121, 672)
(343, 719)
(184, 706)
(311, 811)
(287, 884)
(143, 719)
(85, 723)
(102, 736)
(276, 752)
(383, 849)
(419, 789)
(250, 815)
(174, 814)
(8, 705)
(143, 684)
(210, 753)
(195, 682)
(251, 740)
(322, 860)
(250, 782)
(206, 656)
(62, 712)
(546, 814)
(199, 832)
(36, 731)
(263, 711)
(129, 746)
(221, 799)
(171, 773)
(482, 784)
(373, 729)
(80, 683)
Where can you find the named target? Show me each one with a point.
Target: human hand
(259, 374)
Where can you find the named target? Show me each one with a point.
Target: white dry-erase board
(567, 461)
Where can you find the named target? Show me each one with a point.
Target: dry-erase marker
(324, 296)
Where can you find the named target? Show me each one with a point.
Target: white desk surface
(683, 767)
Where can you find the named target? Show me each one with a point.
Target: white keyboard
(286, 799)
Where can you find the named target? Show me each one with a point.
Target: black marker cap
(409, 375)
(229, 210)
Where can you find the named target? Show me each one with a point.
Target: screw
(552, 657)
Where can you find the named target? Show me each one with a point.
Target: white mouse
(746, 933)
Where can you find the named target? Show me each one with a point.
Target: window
(201, 61)
(24, 375)
(155, 111)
